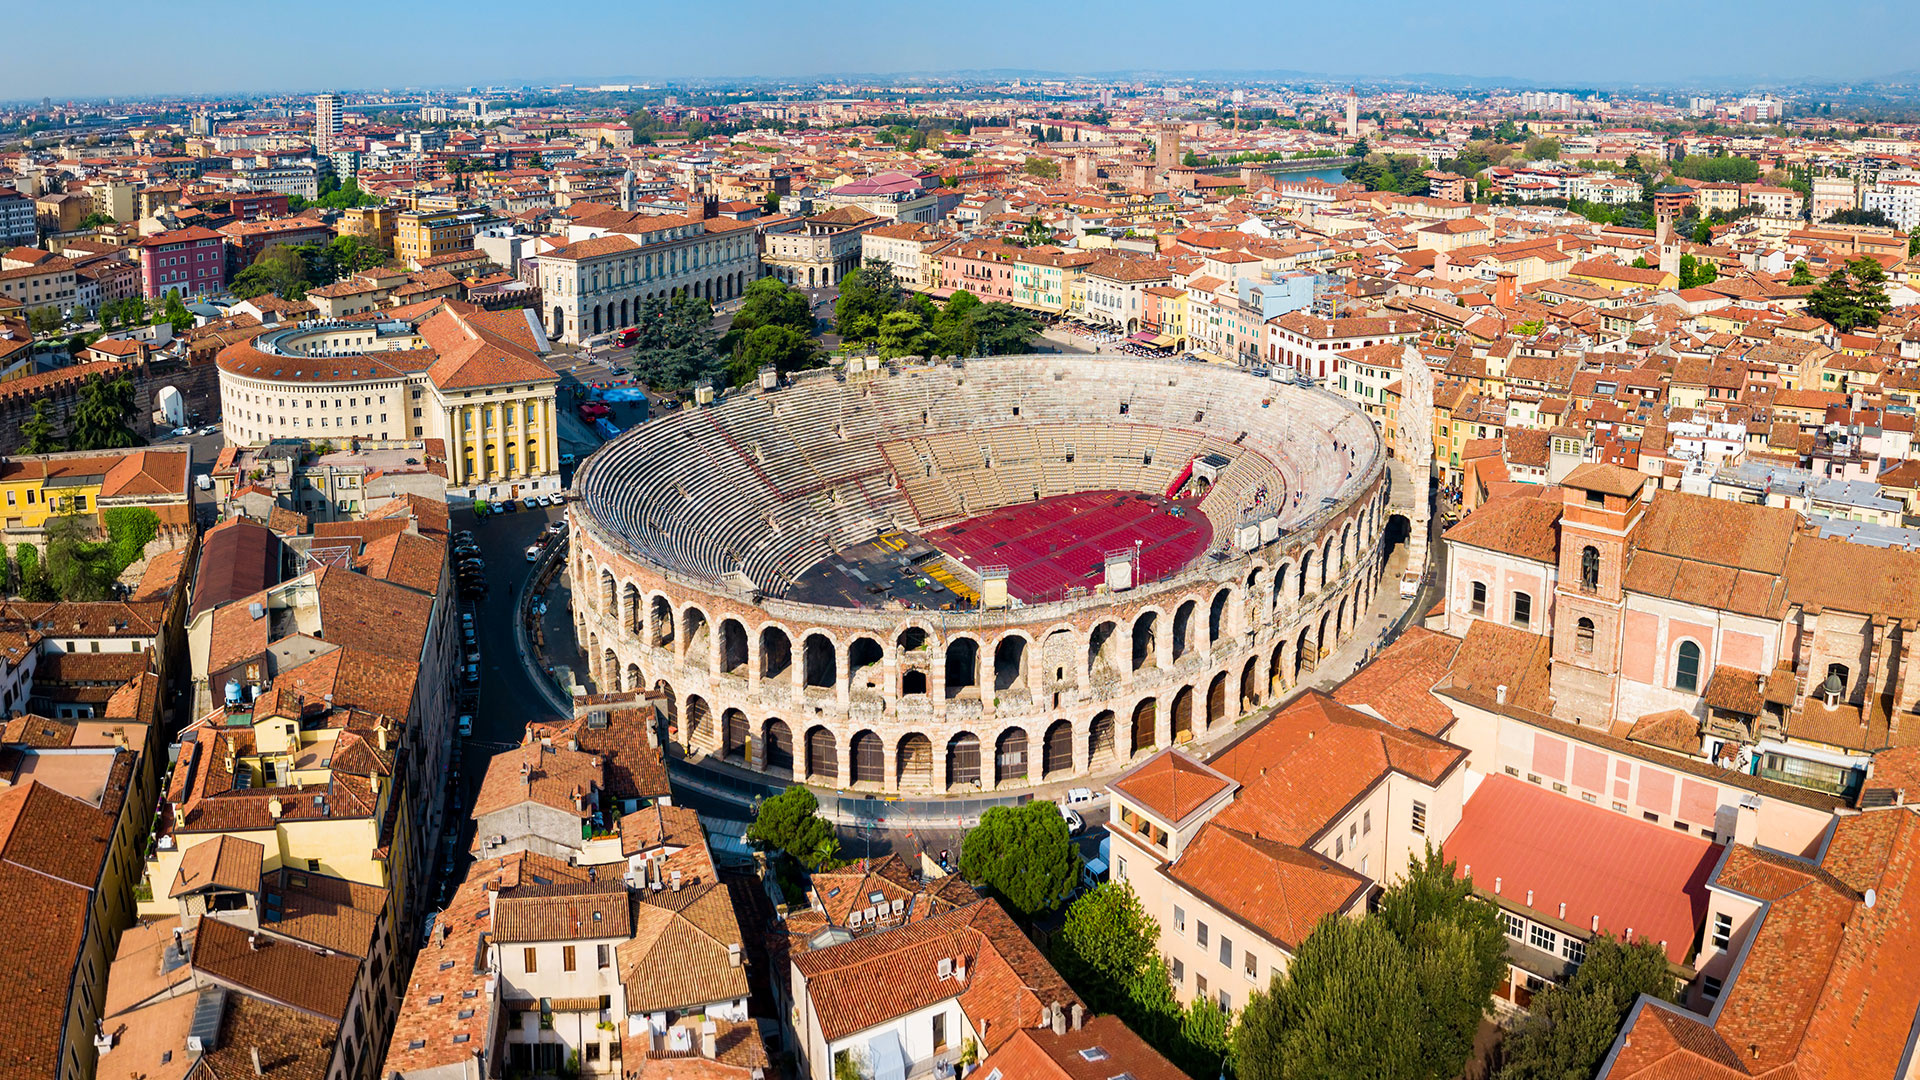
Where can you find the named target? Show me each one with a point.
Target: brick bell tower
(1600, 507)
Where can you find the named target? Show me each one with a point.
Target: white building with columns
(611, 260)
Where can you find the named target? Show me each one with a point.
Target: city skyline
(435, 45)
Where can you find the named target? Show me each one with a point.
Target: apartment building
(36, 279)
(613, 260)
(190, 261)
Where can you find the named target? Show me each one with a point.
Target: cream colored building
(471, 378)
(612, 261)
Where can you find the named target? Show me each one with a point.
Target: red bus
(626, 337)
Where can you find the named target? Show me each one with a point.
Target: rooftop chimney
(733, 954)
(1058, 1018)
(253, 941)
(709, 1039)
(1079, 1016)
(257, 1070)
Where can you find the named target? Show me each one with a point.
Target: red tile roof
(1172, 785)
(1633, 874)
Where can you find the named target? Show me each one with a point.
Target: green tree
(1024, 854)
(1045, 168)
(1696, 272)
(77, 567)
(1543, 149)
(953, 325)
(1002, 329)
(772, 302)
(1853, 295)
(1347, 1008)
(1722, 169)
(1569, 1028)
(95, 220)
(1106, 940)
(1397, 994)
(676, 346)
(32, 577)
(903, 333)
(1035, 232)
(1802, 275)
(175, 313)
(280, 270)
(867, 295)
(790, 822)
(1640, 263)
(1703, 233)
(354, 254)
(100, 421)
(783, 347)
(39, 433)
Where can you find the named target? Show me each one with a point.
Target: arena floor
(1048, 547)
(1055, 544)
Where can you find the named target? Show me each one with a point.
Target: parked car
(1076, 796)
(567, 459)
(533, 552)
(473, 673)
(473, 562)
(1410, 584)
(1074, 824)
(466, 724)
(529, 502)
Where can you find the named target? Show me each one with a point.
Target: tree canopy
(1024, 854)
(1397, 994)
(790, 822)
(1853, 295)
(1045, 168)
(1569, 1028)
(279, 270)
(1695, 272)
(38, 433)
(100, 419)
(676, 346)
(1718, 169)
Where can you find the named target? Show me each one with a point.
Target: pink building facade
(190, 261)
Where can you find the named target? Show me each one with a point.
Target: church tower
(1600, 507)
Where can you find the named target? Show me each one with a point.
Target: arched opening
(1398, 531)
(1583, 636)
(734, 735)
(1306, 568)
(698, 733)
(963, 665)
(823, 762)
(671, 706)
(1100, 659)
(912, 639)
(1056, 752)
(693, 627)
(559, 329)
(631, 610)
(610, 671)
(661, 631)
(777, 739)
(776, 653)
(914, 763)
(733, 648)
(1010, 663)
(1326, 556)
(1217, 616)
(1100, 740)
(869, 759)
(1686, 667)
(1010, 757)
(1144, 641)
(1143, 722)
(863, 662)
(1346, 545)
(1217, 699)
(1340, 621)
(635, 680)
(1183, 715)
(821, 668)
(963, 760)
(1280, 577)
(1182, 629)
(913, 682)
(607, 587)
(1277, 670)
(1590, 568)
(1304, 655)
(1522, 610)
(1322, 644)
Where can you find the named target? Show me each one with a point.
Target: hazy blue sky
(205, 46)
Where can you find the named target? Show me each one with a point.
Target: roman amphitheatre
(960, 576)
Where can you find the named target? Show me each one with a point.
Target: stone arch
(963, 760)
(1183, 715)
(1056, 750)
(776, 740)
(868, 765)
(736, 738)
(1306, 570)
(962, 664)
(1146, 628)
(1182, 630)
(913, 762)
(1250, 683)
(635, 678)
(696, 631)
(1142, 730)
(1010, 662)
(1217, 616)
(1340, 621)
(661, 630)
(1279, 589)
(1100, 649)
(1321, 644)
(1302, 650)
(605, 601)
(609, 672)
(1326, 557)
(1010, 757)
(632, 613)
(1346, 544)
(776, 652)
(1216, 701)
(733, 647)
(864, 656)
(1100, 740)
(1255, 596)
(671, 706)
(697, 724)
(819, 662)
(823, 756)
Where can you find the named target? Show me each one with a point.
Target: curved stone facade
(954, 701)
